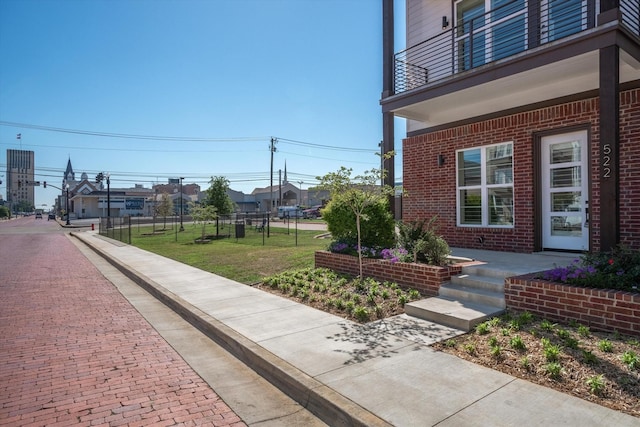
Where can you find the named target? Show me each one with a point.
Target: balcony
(535, 49)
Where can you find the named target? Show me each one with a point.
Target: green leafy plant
(545, 325)
(554, 369)
(589, 358)
(630, 359)
(518, 343)
(420, 239)
(584, 331)
(605, 345)
(361, 313)
(470, 349)
(525, 362)
(596, 384)
(496, 351)
(551, 353)
(482, 328)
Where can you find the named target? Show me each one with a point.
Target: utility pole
(273, 150)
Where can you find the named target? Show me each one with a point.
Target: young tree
(358, 193)
(218, 198)
(165, 207)
(203, 214)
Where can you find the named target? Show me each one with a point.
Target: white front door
(565, 223)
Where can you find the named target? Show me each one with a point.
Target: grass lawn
(246, 260)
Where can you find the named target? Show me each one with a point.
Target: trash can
(239, 229)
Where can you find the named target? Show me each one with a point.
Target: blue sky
(152, 89)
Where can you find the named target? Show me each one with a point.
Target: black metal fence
(481, 38)
(226, 226)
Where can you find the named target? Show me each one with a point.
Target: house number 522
(606, 161)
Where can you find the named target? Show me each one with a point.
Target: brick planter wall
(422, 277)
(600, 309)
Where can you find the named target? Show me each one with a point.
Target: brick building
(523, 129)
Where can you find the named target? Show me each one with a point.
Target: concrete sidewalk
(382, 373)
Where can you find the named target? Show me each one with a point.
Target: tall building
(20, 173)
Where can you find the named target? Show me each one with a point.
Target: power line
(128, 135)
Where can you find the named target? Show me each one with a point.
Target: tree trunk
(359, 244)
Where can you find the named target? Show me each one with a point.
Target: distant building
(20, 178)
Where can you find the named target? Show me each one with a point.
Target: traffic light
(45, 184)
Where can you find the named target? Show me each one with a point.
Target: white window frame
(484, 188)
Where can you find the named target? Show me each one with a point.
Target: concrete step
(472, 294)
(485, 271)
(489, 283)
(464, 315)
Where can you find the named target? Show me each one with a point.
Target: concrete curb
(324, 402)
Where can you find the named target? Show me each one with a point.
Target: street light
(67, 188)
(181, 226)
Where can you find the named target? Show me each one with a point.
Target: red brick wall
(599, 309)
(431, 190)
(422, 277)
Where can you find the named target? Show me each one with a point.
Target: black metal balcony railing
(498, 34)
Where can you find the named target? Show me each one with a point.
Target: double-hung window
(485, 186)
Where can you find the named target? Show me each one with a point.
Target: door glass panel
(469, 171)
(566, 177)
(566, 201)
(470, 207)
(566, 226)
(565, 152)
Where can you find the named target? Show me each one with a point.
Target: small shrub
(361, 313)
(545, 325)
(605, 345)
(596, 384)
(517, 343)
(493, 341)
(571, 343)
(525, 362)
(420, 240)
(495, 322)
(563, 334)
(584, 331)
(482, 328)
(630, 359)
(589, 358)
(552, 353)
(496, 351)
(470, 349)
(525, 318)
(554, 369)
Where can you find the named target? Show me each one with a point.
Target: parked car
(312, 213)
(51, 216)
(38, 215)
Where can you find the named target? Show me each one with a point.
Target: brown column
(609, 147)
(387, 90)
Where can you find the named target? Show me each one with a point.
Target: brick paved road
(74, 352)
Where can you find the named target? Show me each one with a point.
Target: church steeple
(285, 173)
(69, 175)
